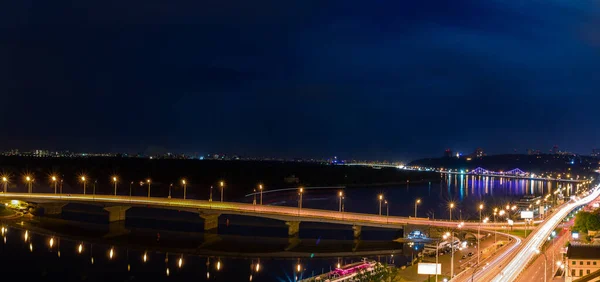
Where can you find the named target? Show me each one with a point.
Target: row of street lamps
(54, 179)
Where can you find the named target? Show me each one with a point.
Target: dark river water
(76, 246)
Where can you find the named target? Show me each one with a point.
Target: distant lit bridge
(513, 173)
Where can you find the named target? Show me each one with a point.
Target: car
(470, 254)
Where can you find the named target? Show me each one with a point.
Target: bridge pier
(357, 230)
(293, 228)
(52, 208)
(116, 213)
(116, 221)
(293, 234)
(211, 221)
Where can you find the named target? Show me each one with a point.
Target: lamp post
(29, 180)
(417, 202)
(222, 184)
(83, 180)
(130, 184)
(478, 234)
(5, 181)
(387, 208)
(300, 192)
(450, 207)
(260, 188)
(495, 212)
(184, 188)
(170, 188)
(55, 181)
(114, 179)
(341, 194)
(380, 200)
(545, 262)
(437, 251)
(149, 183)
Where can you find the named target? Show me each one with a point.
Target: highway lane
(274, 212)
(519, 261)
(535, 271)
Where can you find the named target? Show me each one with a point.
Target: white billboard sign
(511, 222)
(429, 268)
(526, 214)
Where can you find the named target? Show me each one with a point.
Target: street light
(301, 191)
(260, 188)
(149, 183)
(54, 179)
(114, 179)
(222, 184)
(5, 180)
(451, 206)
(418, 201)
(28, 179)
(478, 233)
(184, 188)
(545, 261)
(83, 181)
(387, 208)
(341, 194)
(380, 200)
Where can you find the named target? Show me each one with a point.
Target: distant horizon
(247, 156)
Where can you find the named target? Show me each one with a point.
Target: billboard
(511, 222)
(526, 214)
(429, 268)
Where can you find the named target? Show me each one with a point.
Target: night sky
(358, 79)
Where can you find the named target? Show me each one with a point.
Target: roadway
(274, 212)
(535, 271)
(508, 268)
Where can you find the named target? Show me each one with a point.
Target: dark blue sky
(373, 79)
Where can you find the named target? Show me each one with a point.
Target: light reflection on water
(39, 255)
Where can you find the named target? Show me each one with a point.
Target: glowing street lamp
(537, 251)
(450, 207)
(260, 188)
(149, 183)
(115, 180)
(300, 192)
(55, 181)
(341, 194)
(5, 181)
(29, 181)
(478, 233)
(380, 201)
(84, 182)
(387, 208)
(418, 201)
(222, 185)
(184, 188)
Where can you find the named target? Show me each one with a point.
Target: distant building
(582, 260)
(595, 152)
(555, 149)
(448, 153)
(479, 153)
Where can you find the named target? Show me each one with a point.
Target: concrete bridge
(117, 206)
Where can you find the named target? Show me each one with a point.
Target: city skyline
(301, 79)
